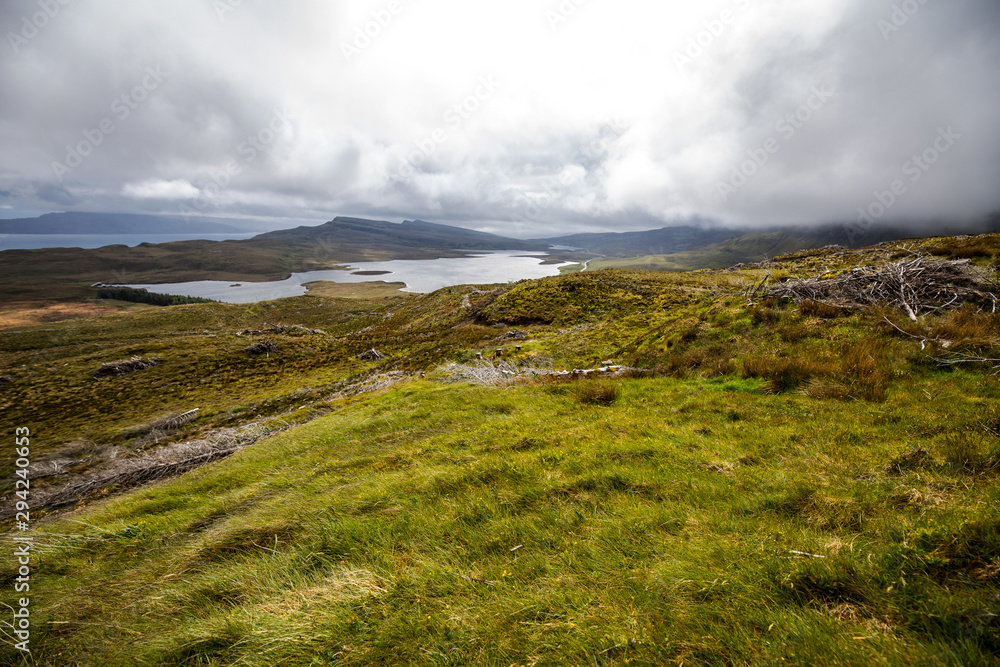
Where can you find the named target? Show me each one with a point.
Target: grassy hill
(770, 481)
(737, 250)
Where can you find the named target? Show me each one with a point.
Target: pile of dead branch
(117, 369)
(917, 286)
(281, 329)
(513, 334)
(263, 347)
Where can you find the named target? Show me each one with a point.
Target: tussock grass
(596, 392)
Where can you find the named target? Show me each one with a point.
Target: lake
(36, 241)
(419, 275)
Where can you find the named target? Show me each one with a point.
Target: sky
(525, 118)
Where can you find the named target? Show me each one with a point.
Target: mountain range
(122, 223)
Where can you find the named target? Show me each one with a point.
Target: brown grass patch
(377, 289)
(32, 313)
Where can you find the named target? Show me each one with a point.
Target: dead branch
(117, 369)
(917, 286)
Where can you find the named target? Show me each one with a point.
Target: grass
(667, 527)
(773, 483)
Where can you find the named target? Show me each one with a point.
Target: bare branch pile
(263, 347)
(117, 369)
(281, 329)
(917, 286)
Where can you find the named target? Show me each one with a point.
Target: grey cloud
(227, 76)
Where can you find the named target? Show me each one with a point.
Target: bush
(763, 315)
(969, 326)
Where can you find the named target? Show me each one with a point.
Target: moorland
(783, 461)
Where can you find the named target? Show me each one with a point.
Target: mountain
(115, 223)
(740, 246)
(361, 233)
(651, 242)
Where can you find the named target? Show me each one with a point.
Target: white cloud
(159, 189)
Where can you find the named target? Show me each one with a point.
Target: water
(36, 241)
(419, 275)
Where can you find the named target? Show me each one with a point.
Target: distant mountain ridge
(649, 242)
(671, 240)
(114, 223)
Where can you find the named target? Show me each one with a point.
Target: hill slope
(344, 232)
(784, 482)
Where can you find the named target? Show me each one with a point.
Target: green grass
(660, 529)
(773, 484)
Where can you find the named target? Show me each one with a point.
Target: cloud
(610, 116)
(159, 189)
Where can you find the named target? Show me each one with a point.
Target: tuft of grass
(821, 310)
(971, 453)
(597, 392)
(785, 373)
(865, 366)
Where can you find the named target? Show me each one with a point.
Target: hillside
(347, 233)
(753, 479)
(630, 244)
(743, 249)
(689, 248)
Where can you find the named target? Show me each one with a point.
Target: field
(762, 481)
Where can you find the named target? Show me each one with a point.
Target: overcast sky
(526, 117)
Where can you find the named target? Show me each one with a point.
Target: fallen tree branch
(917, 286)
